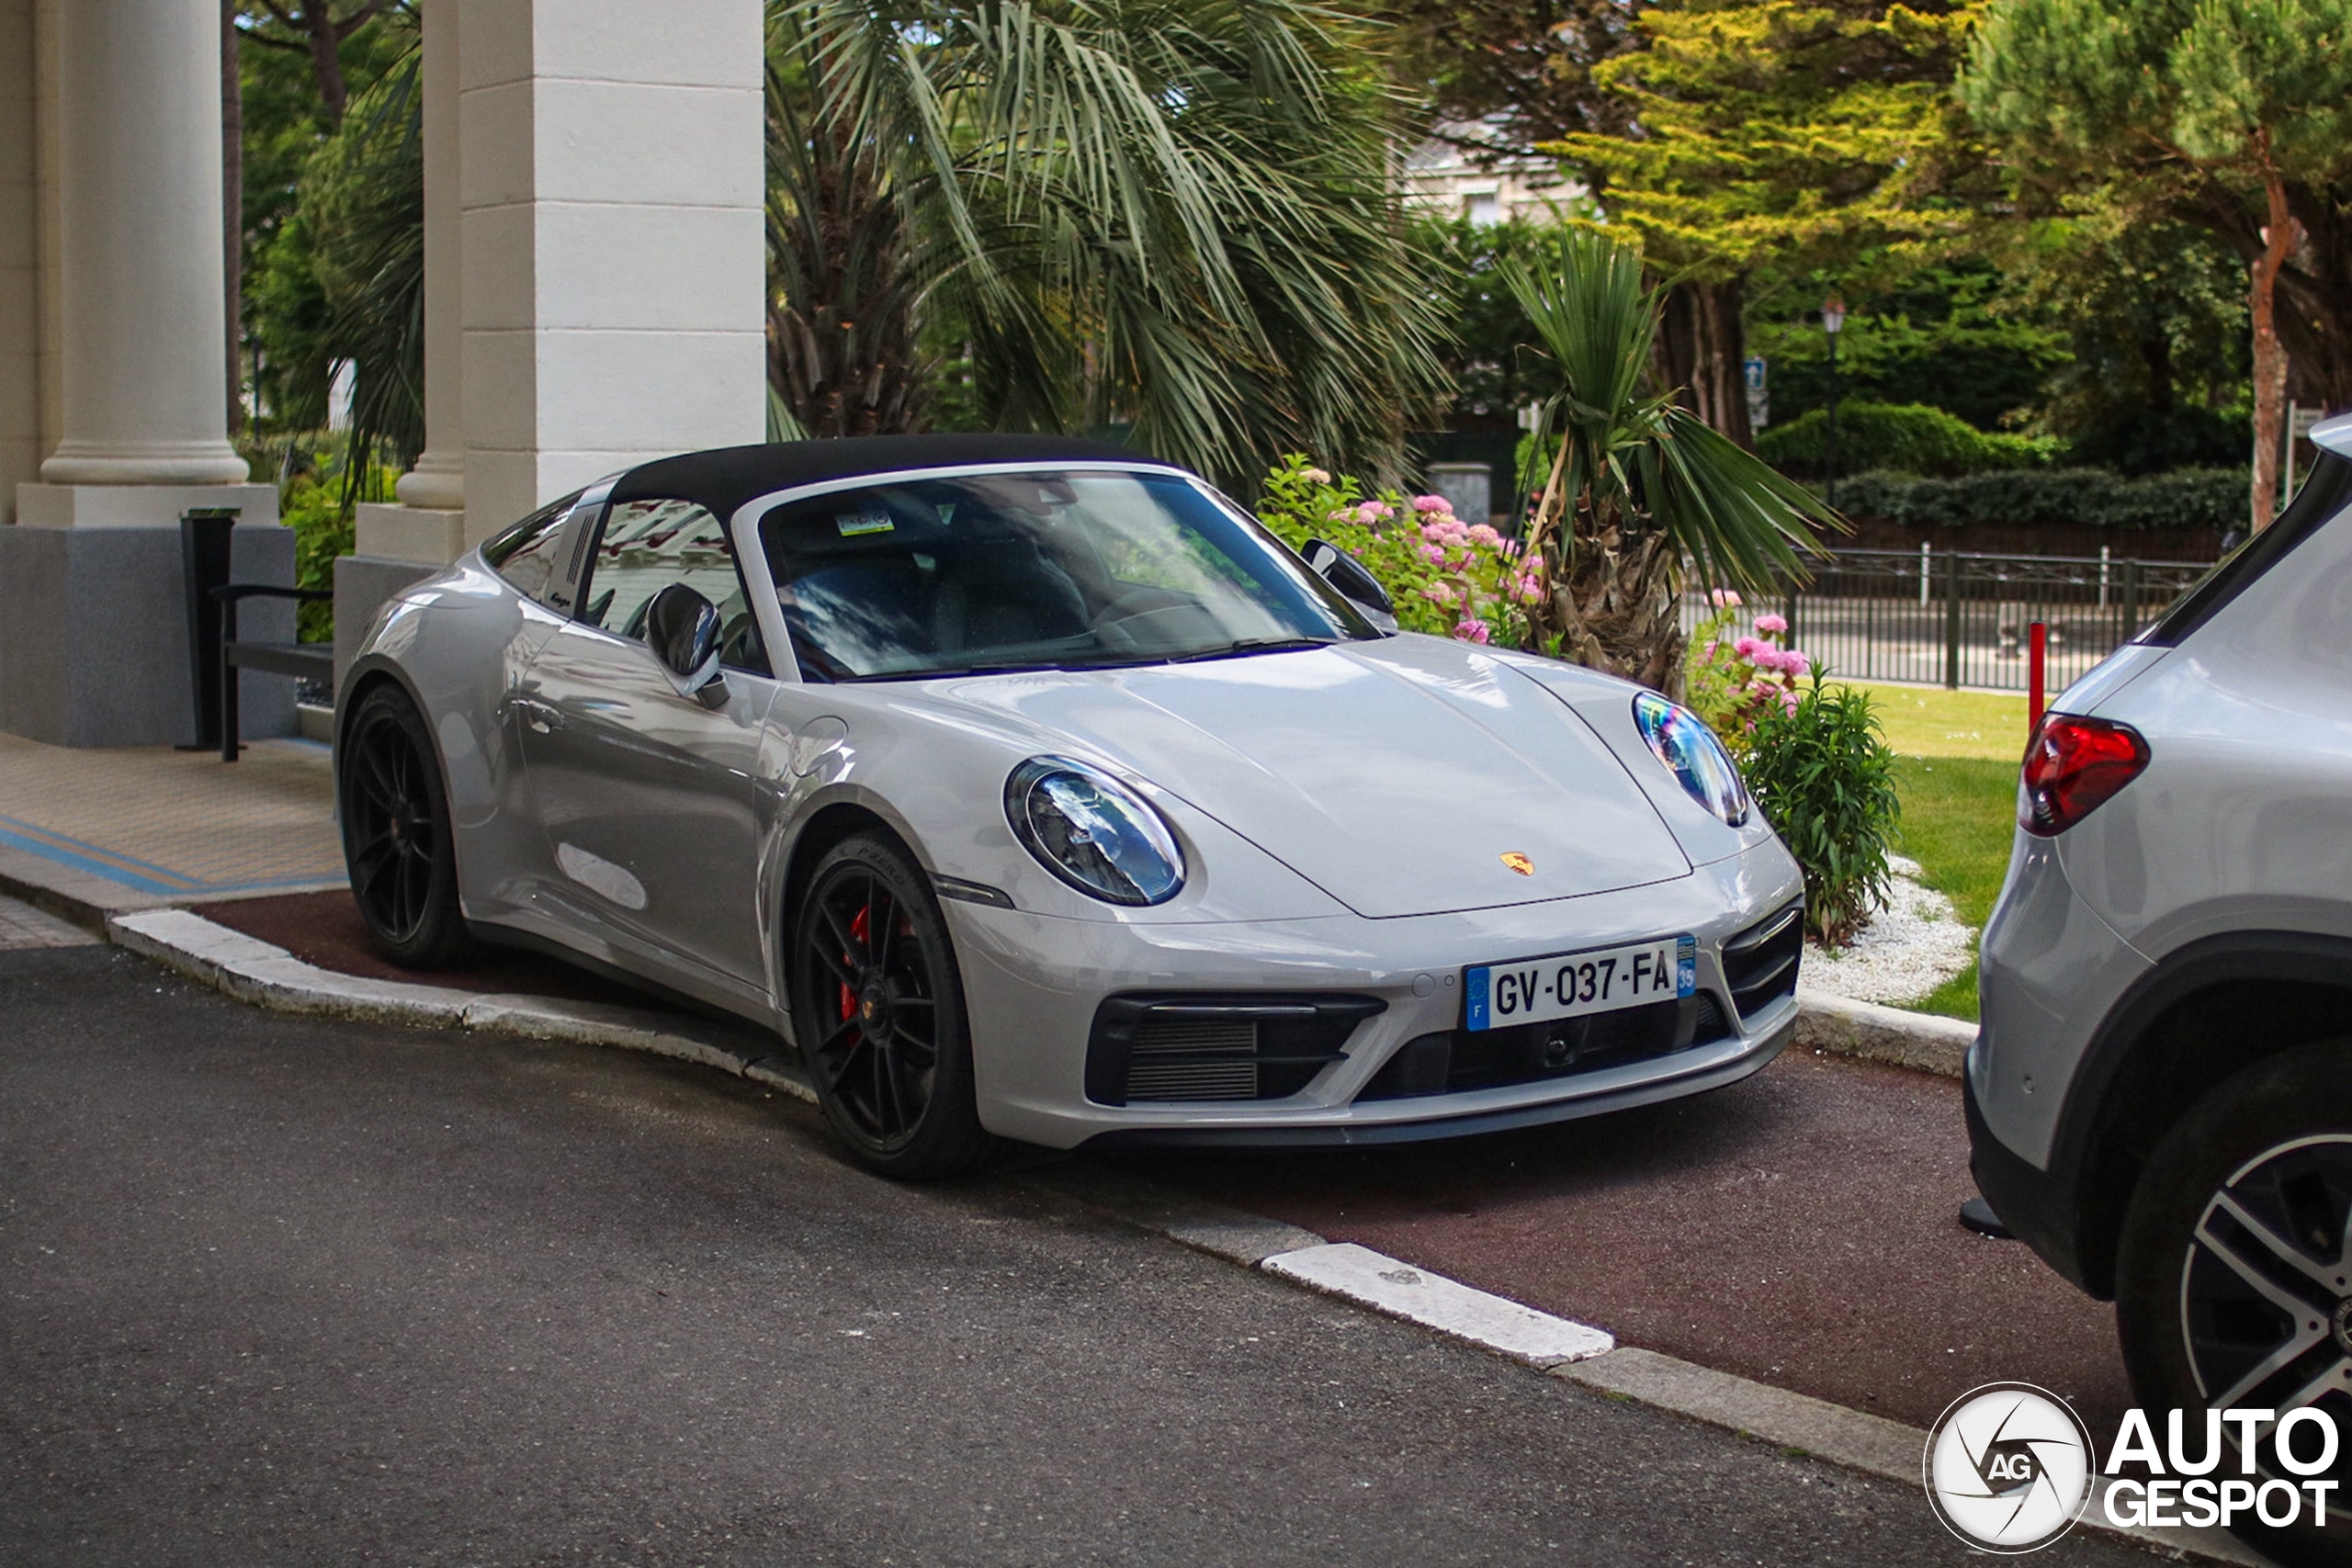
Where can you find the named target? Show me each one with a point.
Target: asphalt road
(276, 1290)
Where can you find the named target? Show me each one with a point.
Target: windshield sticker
(870, 520)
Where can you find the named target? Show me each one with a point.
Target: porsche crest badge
(1518, 863)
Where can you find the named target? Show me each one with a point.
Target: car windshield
(983, 572)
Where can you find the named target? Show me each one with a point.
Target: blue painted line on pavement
(128, 871)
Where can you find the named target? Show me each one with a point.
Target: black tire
(396, 845)
(881, 1023)
(2245, 1206)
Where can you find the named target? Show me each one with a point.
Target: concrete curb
(1875, 1033)
(267, 976)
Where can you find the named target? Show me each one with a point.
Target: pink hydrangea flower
(1433, 554)
(1795, 663)
(1432, 504)
(1315, 476)
(1772, 624)
(1789, 703)
(1441, 593)
(1723, 599)
(1373, 511)
(1751, 650)
(1483, 534)
(1471, 630)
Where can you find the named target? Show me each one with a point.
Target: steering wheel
(1134, 604)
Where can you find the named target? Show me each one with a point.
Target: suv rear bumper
(2039, 1206)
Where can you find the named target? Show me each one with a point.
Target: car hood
(1403, 777)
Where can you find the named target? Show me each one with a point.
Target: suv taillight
(2073, 766)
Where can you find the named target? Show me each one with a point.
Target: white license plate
(1572, 985)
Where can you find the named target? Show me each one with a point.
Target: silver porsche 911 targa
(1034, 792)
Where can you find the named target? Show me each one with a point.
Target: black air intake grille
(1183, 1059)
(1454, 1060)
(1760, 962)
(1169, 1048)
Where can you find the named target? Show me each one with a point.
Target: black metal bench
(303, 661)
(215, 651)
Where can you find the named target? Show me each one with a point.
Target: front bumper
(1033, 984)
(1716, 1068)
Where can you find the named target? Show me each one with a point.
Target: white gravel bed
(1906, 949)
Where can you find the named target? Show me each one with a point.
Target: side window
(648, 545)
(526, 554)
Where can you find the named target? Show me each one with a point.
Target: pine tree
(2232, 114)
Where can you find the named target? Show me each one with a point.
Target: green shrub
(1825, 779)
(323, 531)
(1446, 577)
(1911, 438)
(2184, 498)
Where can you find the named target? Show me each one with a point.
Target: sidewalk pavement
(89, 832)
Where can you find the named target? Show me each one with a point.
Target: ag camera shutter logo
(2008, 1467)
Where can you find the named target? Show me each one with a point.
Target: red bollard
(2036, 650)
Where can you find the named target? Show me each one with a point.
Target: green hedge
(1909, 437)
(2095, 498)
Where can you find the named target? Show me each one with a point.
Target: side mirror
(683, 628)
(1346, 574)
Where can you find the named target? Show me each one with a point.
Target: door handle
(538, 716)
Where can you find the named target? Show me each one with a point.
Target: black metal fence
(1955, 619)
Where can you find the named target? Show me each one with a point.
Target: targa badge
(1518, 863)
(2008, 1467)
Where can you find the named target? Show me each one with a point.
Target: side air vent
(1169, 1048)
(1176, 1058)
(1760, 962)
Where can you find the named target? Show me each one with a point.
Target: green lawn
(1959, 781)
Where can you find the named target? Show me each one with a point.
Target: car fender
(2149, 1060)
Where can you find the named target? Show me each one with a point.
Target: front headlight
(1093, 832)
(1681, 739)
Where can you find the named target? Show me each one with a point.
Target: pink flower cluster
(1732, 681)
(1771, 656)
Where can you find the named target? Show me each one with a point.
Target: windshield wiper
(1255, 645)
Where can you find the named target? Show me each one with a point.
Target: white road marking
(1380, 1282)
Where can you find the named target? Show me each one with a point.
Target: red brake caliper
(858, 928)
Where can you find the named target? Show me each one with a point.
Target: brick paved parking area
(128, 827)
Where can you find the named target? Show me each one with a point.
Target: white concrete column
(438, 480)
(139, 181)
(20, 450)
(428, 526)
(614, 243)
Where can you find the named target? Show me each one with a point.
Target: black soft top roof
(723, 480)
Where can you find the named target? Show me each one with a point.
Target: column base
(362, 584)
(437, 484)
(136, 505)
(96, 648)
(428, 536)
(146, 463)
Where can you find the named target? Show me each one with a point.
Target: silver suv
(2160, 1097)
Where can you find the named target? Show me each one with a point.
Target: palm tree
(1639, 489)
(1174, 214)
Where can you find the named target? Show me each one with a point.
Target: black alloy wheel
(2234, 1287)
(878, 1007)
(396, 845)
